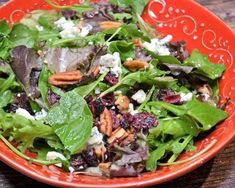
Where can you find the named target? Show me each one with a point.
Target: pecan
(205, 89)
(118, 133)
(122, 103)
(95, 70)
(65, 78)
(110, 25)
(106, 122)
(40, 53)
(130, 138)
(137, 42)
(104, 167)
(100, 151)
(136, 65)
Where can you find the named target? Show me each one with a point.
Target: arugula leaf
(76, 7)
(43, 83)
(207, 115)
(22, 130)
(6, 98)
(22, 35)
(204, 66)
(87, 89)
(138, 6)
(72, 121)
(125, 49)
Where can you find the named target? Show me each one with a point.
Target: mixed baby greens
(93, 89)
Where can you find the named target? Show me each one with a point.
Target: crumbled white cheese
(70, 30)
(97, 91)
(131, 109)
(111, 63)
(129, 59)
(206, 97)
(186, 97)
(53, 155)
(24, 113)
(40, 115)
(71, 169)
(159, 45)
(96, 137)
(139, 96)
(39, 27)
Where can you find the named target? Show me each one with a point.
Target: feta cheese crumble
(139, 96)
(186, 97)
(24, 113)
(159, 45)
(96, 137)
(40, 115)
(111, 63)
(70, 30)
(39, 27)
(131, 109)
(53, 155)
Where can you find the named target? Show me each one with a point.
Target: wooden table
(217, 173)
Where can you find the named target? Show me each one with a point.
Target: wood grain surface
(217, 173)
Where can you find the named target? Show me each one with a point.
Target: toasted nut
(65, 78)
(40, 53)
(100, 151)
(104, 167)
(136, 65)
(109, 25)
(122, 103)
(106, 122)
(118, 133)
(130, 138)
(94, 70)
(205, 89)
(137, 42)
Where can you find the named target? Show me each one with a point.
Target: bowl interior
(184, 20)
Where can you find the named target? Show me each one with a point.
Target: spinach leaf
(207, 115)
(87, 89)
(22, 130)
(125, 49)
(72, 121)
(204, 66)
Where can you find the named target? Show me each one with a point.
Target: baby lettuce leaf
(5, 43)
(72, 121)
(204, 66)
(6, 98)
(125, 49)
(22, 130)
(207, 115)
(4, 28)
(138, 6)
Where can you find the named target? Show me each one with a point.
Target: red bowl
(184, 19)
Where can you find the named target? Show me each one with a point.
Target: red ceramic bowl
(184, 19)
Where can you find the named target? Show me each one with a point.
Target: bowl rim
(173, 175)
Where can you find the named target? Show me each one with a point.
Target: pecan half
(95, 70)
(106, 122)
(205, 89)
(130, 138)
(109, 25)
(118, 133)
(136, 65)
(122, 103)
(100, 151)
(65, 78)
(104, 167)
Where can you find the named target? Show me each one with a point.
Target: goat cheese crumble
(96, 137)
(139, 96)
(186, 97)
(111, 63)
(53, 155)
(131, 109)
(70, 30)
(38, 115)
(159, 45)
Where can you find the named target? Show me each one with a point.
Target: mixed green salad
(95, 90)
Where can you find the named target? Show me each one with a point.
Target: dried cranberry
(78, 163)
(141, 121)
(115, 119)
(178, 50)
(109, 99)
(89, 99)
(111, 79)
(124, 124)
(52, 97)
(90, 157)
(98, 106)
(162, 93)
(172, 99)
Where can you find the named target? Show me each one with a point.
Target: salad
(94, 90)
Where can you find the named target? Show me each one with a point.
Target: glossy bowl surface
(184, 19)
